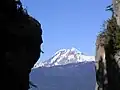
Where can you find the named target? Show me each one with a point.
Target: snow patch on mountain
(65, 56)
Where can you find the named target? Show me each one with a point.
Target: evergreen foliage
(111, 37)
(111, 32)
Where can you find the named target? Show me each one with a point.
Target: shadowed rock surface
(110, 80)
(21, 44)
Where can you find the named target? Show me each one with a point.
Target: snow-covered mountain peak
(75, 50)
(61, 50)
(65, 56)
(68, 50)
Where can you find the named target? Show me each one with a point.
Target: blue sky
(68, 23)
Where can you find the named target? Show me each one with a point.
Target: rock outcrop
(21, 39)
(108, 70)
(101, 79)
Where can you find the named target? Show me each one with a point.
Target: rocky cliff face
(108, 67)
(116, 7)
(101, 79)
(117, 58)
(21, 40)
